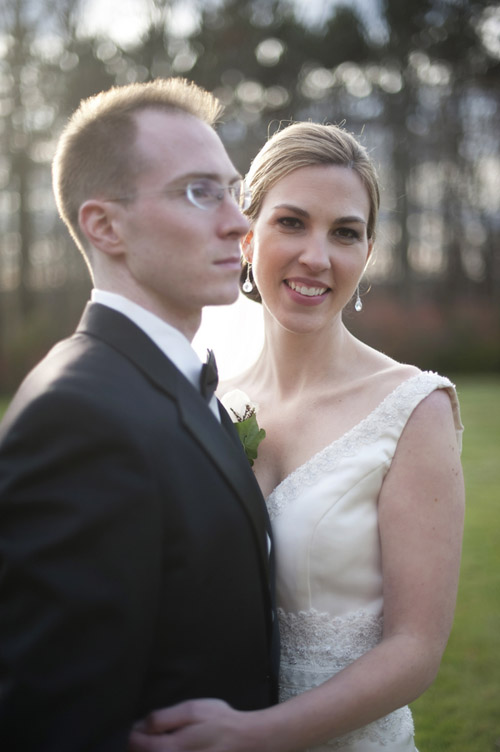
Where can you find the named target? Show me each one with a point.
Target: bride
(360, 467)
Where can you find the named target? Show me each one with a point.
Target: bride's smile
(308, 254)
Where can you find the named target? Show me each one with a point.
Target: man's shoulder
(77, 371)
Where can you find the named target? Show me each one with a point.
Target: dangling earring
(358, 305)
(247, 285)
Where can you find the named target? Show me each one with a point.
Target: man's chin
(226, 297)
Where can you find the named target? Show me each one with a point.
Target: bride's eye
(291, 223)
(347, 233)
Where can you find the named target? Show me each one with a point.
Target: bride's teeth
(309, 291)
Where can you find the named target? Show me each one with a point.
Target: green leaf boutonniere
(243, 413)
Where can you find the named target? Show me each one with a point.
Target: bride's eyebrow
(350, 220)
(291, 207)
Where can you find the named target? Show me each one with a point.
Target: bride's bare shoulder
(399, 372)
(379, 362)
(382, 372)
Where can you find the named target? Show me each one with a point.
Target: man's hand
(197, 725)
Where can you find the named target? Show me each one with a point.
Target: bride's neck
(291, 364)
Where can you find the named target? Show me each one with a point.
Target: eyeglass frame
(237, 190)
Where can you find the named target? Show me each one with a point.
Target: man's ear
(96, 219)
(247, 246)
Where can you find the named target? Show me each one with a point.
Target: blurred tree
(41, 80)
(251, 54)
(419, 81)
(268, 67)
(19, 74)
(25, 123)
(460, 34)
(345, 38)
(405, 22)
(438, 49)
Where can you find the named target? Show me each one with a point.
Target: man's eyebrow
(217, 177)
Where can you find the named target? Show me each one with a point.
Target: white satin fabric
(329, 578)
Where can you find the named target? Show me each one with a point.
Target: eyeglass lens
(206, 193)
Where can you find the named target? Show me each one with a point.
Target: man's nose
(233, 221)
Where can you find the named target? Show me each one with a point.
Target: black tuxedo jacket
(134, 565)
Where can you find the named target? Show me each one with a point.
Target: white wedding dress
(329, 580)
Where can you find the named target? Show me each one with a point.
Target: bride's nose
(316, 254)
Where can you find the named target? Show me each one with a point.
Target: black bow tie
(209, 378)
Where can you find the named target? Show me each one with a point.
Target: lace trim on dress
(366, 432)
(315, 646)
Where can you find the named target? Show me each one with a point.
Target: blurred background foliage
(418, 81)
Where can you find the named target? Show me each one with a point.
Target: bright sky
(235, 333)
(124, 20)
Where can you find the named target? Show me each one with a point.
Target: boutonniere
(243, 413)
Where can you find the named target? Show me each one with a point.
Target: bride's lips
(308, 292)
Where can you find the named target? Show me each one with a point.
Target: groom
(134, 562)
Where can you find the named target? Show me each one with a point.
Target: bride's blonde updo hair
(307, 144)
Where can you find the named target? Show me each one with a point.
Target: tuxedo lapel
(231, 461)
(120, 333)
(217, 442)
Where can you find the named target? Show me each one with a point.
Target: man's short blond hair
(95, 155)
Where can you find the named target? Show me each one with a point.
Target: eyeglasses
(206, 193)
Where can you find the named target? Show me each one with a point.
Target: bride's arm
(421, 508)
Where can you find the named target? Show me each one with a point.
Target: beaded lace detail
(366, 432)
(315, 646)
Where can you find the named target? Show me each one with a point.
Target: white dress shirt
(169, 339)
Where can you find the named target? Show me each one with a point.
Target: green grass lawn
(461, 711)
